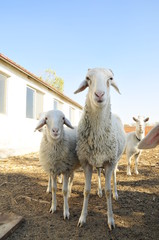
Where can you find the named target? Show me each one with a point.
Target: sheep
(100, 136)
(57, 153)
(151, 140)
(59, 177)
(133, 139)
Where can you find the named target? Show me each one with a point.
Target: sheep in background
(57, 153)
(133, 139)
(151, 140)
(101, 136)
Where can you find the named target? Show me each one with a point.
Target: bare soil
(23, 186)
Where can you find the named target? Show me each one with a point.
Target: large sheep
(151, 140)
(57, 153)
(101, 136)
(132, 141)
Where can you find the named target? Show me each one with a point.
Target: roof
(25, 71)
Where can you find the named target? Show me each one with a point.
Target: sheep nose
(99, 94)
(55, 130)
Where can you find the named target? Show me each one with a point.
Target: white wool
(101, 137)
(59, 156)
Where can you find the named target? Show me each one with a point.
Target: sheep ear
(82, 87)
(135, 119)
(146, 119)
(112, 82)
(151, 140)
(67, 123)
(41, 123)
(111, 71)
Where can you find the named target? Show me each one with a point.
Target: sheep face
(140, 124)
(54, 120)
(54, 124)
(98, 80)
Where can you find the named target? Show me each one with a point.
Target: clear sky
(71, 36)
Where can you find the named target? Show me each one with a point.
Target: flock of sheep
(98, 141)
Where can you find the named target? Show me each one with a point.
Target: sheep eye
(111, 78)
(46, 118)
(87, 78)
(63, 118)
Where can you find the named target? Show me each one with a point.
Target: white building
(23, 96)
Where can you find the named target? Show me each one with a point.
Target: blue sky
(72, 36)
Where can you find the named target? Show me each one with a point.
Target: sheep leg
(117, 169)
(88, 176)
(53, 189)
(99, 182)
(136, 162)
(115, 193)
(70, 184)
(48, 190)
(108, 174)
(66, 213)
(128, 166)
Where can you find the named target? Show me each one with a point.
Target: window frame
(36, 92)
(59, 103)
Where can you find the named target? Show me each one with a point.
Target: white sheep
(57, 153)
(101, 136)
(151, 140)
(132, 141)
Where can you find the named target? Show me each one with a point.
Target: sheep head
(53, 120)
(98, 80)
(140, 123)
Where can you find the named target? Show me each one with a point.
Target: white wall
(17, 134)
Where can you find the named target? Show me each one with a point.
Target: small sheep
(151, 140)
(59, 178)
(57, 153)
(101, 136)
(133, 139)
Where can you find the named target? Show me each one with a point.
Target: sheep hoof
(129, 173)
(81, 222)
(100, 194)
(111, 226)
(48, 190)
(115, 196)
(66, 215)
(52, 209)
(136, 172)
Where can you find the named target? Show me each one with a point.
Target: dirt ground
(23, 192)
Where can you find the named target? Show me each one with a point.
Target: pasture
(23, 186)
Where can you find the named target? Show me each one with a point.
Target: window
(3, 86)
(72, 115)
(30, 103)
(57, 105)
(34, 103)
